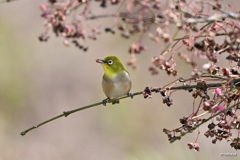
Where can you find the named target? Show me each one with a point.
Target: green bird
(116, 80)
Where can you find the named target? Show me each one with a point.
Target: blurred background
(40, 80)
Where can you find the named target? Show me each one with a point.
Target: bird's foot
(130, 95)
(105, 101)
(115, 102)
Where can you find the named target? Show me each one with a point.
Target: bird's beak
(100, 61)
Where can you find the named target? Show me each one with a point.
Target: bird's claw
(130, 95)
(105, 101)
(115, 102)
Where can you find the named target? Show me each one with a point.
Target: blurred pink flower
(218, 91)
(218, 108)
(193, 145)
(69, 28)
(43, 7)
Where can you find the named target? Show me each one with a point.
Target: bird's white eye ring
(110, 62)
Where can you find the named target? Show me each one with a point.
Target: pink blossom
(193, 145)
(43, 7)
(218, 108)
(69, 28)
(206, 66)
(218, 91)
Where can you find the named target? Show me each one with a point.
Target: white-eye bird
(116, 80)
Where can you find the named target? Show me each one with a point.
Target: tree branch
(6, 1)
(66, 113)
(101, 16)
(156, 90)
(204, 121)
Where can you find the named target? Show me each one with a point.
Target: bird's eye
(110, 62)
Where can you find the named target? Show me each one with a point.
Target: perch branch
(156, 90)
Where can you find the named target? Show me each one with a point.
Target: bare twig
(156, 90)
(187, 36)
(66, 113)
(6, 1)
(101, 16)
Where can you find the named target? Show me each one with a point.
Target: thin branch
(156, 90)
(66, 113)
(204, 121)
(187, 36)
(227, 13)
(101, 16)
(6, 1)
(211, 18)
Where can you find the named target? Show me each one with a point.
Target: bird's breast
(117, 85)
